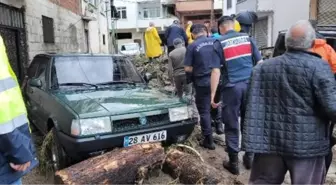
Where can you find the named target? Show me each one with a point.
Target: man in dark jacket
(234, 56)
(290, 103)
(173, 32)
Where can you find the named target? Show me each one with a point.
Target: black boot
(247, 160)
(219, 127)
(232, 165)
(208, 142)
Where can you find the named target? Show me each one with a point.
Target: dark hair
(233, 16)
(214, 30)
(197, 28)
(225, 19)
(206, 22)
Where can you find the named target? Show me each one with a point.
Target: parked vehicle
(328, 32)
(94, 103)
(130, 49)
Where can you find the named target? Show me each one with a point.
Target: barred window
(229, 4)
(48, 29)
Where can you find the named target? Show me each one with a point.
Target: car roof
(324, 30)
(79, 55)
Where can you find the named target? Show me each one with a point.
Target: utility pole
(212, 13)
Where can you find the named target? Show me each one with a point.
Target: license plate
(145, 138)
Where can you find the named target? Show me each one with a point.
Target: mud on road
(213, 157)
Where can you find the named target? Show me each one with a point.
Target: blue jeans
(18, 182)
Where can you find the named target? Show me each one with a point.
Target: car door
(30, 97)
(37, 95)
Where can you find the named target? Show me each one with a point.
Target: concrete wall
(285, 16)
(229, 11)
(247, 5)
(68, 27)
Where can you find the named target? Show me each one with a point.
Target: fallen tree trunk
(190, 170)
(120, 166)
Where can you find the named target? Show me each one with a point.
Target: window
(41, 69)
(228, 4)
(103, 7)
(104, 39)
(122, 12)
(93, 2)
(33, 68)
(153, 12)
(48, 29)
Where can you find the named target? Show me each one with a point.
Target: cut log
(190, 170)
(120, 166)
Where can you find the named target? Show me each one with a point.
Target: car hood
(115, 102)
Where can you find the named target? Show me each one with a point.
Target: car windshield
(76, 70)
(131, 47)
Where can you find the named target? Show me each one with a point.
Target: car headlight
(178, 114)
(91, 126)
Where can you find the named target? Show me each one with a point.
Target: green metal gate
(326, 13)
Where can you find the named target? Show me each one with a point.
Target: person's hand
(215, 105)
(20, 167)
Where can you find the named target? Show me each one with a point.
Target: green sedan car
(94, 103)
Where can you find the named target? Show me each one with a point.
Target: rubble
(158, 68)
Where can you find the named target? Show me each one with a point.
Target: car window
(280, 47)
(92, 69)
(33, 68)
(41, 70)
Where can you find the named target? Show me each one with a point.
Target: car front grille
(134, 123)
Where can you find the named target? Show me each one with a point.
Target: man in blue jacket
(173, 32)
(17, 153)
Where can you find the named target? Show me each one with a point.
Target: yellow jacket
(190, 40)
(153, 42)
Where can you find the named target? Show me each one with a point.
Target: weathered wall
(246, 5)
(68, 26)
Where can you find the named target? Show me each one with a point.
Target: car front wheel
(58, 158)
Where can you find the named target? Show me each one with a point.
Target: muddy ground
(215, 158)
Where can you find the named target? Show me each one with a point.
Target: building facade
(96, 18)
(229, 7)
(274, 16)
(31, 27)
(198, 11)
(135, 16)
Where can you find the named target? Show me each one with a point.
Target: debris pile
(157, 67)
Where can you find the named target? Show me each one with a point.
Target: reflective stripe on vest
(11, 125)
(6, 84)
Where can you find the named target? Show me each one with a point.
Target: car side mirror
(35, 83)
(148, 77)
